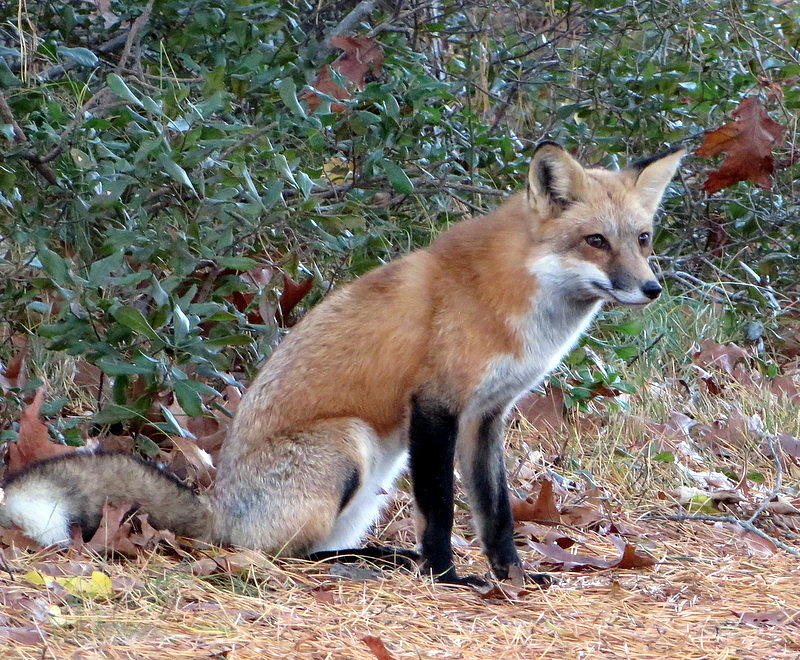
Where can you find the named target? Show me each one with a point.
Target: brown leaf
(377, 647)
(565, 560)
(718, 356)
(787, 617)
(544, 412)
(748, 142)
(30, 636)
(323, 594)
(33, 443)
(544, 510)
(502, 591)
(361, 54)
(149, 536)
(14, 373)
(292, 294)
(113, 533)
(188, 454)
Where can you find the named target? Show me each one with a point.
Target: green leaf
(188, 399)
(288, 92)
(176, 172)
(132, 318)
(397, 177)
(113, 367)
(238, 263)
(664, 457)
(82, 56)
(118, 86)
(114, 413)
(54, 265)
(181, 321)
(230, 340)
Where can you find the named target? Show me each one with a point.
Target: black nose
(651, 289)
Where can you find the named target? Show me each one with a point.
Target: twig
(745, 524)
(646, 349)
(53, 72)
(359, 12)
(138, 24)
(20, 138)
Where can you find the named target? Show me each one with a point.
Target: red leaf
(565, 560)
(292, 294)
(361, 54)
(377, 647)
(14, 373)
(748, 142)
(33, 443)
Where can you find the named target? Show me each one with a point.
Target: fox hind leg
(309, 491)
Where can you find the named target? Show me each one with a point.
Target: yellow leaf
(96, 586)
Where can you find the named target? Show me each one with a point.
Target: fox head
(596, 226)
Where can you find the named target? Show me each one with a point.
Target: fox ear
(555, 179)
(652, 176)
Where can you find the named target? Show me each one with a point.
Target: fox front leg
(433, 431)
(482, 466)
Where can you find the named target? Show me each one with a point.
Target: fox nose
(651, 289)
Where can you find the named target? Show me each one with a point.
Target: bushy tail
(45, 499)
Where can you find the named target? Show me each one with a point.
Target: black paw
(451, 577)
(542, 580)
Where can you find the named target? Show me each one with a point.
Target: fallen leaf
(323, 594)
(30, 636)
(719, 356)
(377, 647)
(199, 461)
(564, 560)
(543, 510)
(113, 533)
(33, 443)
(788, 617)
(503, 591)
(543, 412)
(748, 142)
(98, 585)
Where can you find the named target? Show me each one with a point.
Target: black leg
(432, 455)
(383, 555)
(480, 447)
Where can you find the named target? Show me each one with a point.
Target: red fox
(418, 361)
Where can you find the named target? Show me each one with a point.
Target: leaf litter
(685, 587)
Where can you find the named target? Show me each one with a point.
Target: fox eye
(644, 239)
(597, 241)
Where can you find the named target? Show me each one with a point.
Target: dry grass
(685, 607)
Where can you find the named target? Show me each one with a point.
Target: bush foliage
(166, 190)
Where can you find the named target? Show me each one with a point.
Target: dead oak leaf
(13, 375)
(748, 142)
(563, 560)
(780, 618)
(361, 55)
(113, 533)
(543, 510)
(378, 648)
(33, 443)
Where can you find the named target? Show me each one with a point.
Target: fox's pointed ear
(652, 176)
(555, 179)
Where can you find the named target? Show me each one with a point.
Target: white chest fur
(549, 330)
